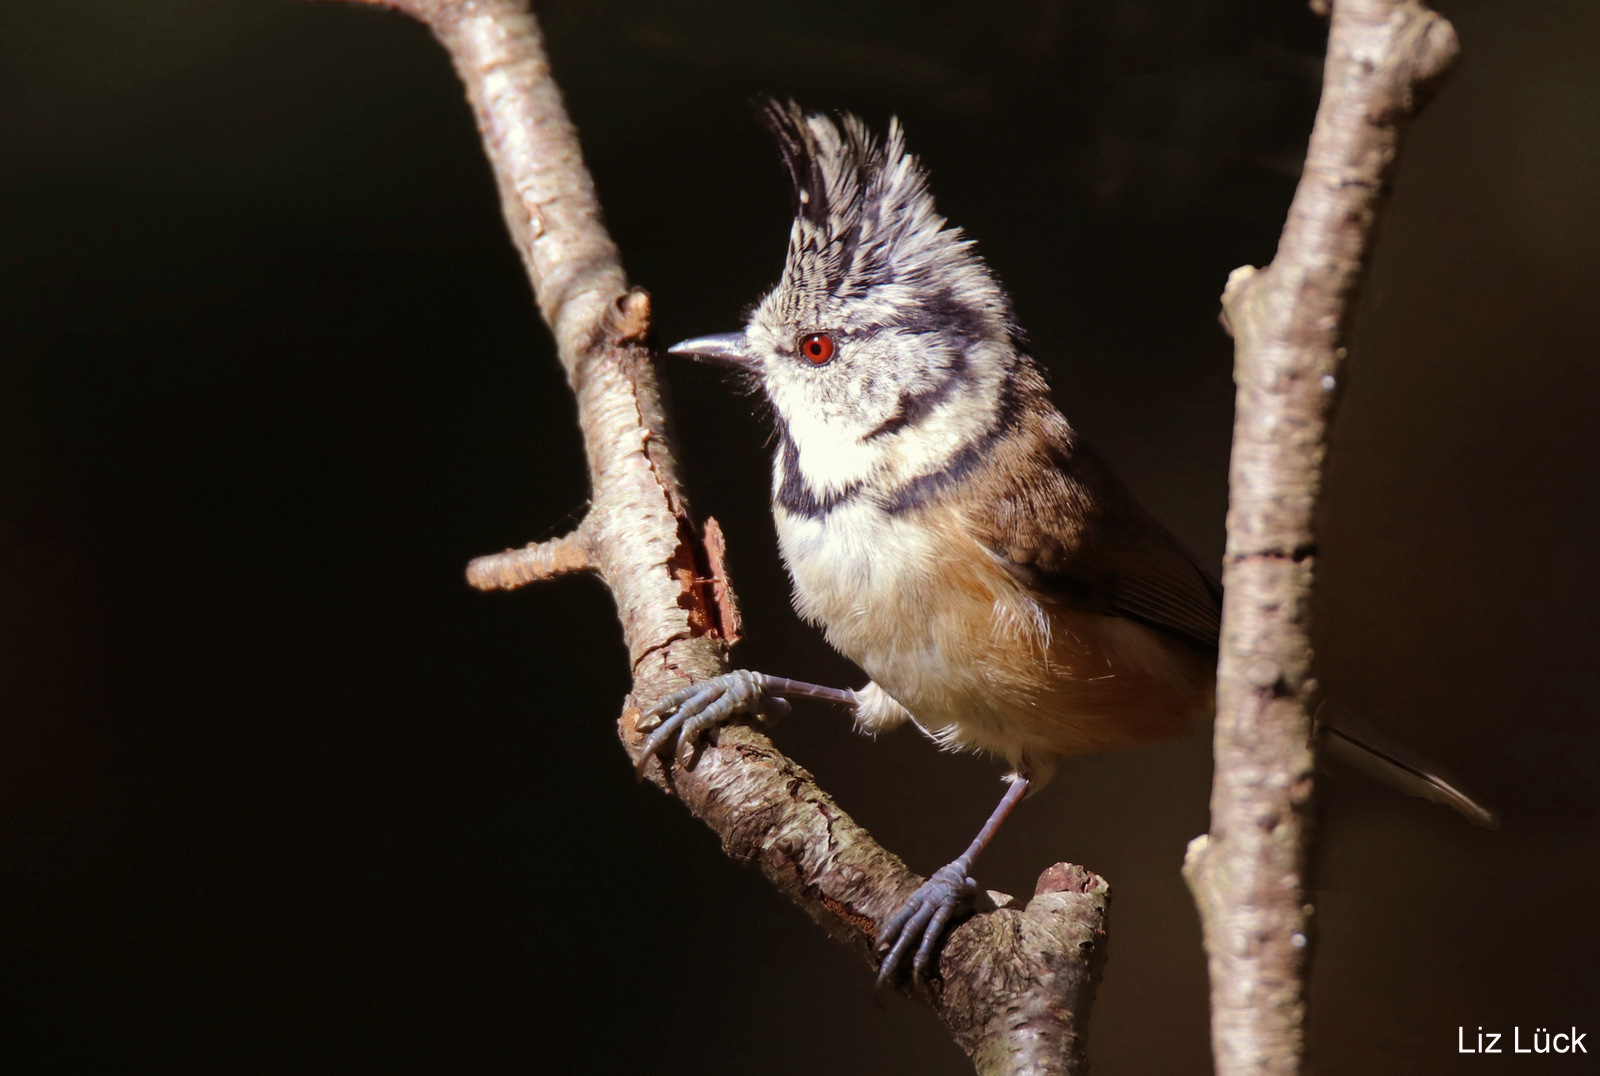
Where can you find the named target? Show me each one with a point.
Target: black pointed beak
(726, 349)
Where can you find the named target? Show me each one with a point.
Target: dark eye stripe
(913, 407)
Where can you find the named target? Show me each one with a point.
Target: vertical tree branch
(1291, 324)
(1017, 982)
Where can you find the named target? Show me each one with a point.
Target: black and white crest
(866, 229)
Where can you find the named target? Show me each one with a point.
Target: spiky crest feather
(866, 229)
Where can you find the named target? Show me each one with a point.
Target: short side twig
(1017, 983)
(1291, 324)
(533, 563)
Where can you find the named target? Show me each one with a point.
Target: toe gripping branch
(914, 931)
(922, 919)
(686, 714)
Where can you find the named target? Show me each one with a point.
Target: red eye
(817, 348)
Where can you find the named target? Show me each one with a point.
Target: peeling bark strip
(1017, 983)
(1291, 324)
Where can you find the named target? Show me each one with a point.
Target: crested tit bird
(942, 522)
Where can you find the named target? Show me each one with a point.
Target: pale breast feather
(853, 568)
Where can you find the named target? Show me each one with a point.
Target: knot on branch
(1233, 298)
(1018, 980)
(628, 320)
(1438, 50)
(1424, 56)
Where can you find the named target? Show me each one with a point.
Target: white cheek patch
(829, 452)
(832, 449)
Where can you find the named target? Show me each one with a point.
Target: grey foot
(684, 715)
(921, 921)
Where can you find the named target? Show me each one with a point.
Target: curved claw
(685, 714)
(921, 922)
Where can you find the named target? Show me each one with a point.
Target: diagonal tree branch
(1018, 981)
(1291, 324)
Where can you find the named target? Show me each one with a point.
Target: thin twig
(1291, 324)
(1017, 982)
(533, 563)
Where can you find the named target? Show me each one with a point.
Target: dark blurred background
(278, 793)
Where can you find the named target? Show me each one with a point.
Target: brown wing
(1072, 533)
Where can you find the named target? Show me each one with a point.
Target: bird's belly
(938, 624)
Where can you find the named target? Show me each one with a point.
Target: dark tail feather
(1364, 744)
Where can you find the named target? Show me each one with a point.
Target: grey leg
(922, 918)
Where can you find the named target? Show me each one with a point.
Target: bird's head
(887, 340)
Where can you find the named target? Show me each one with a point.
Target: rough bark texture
(1291, 325)
(1017, 982)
